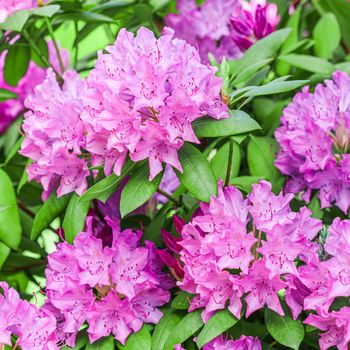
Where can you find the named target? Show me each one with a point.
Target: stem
(169, 196)
(318, 7)
(229, 163)
(42, 57)
(26, 210)
(76, 47)
(52, 34)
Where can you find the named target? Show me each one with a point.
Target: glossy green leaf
(181, 301)
(6, 95)
(82, 339)
(46, 11)
(138, 190)
(239, 122)
(74, 218)
(219, 162)
(188, 326)
(245, 183)
(16, 63)
(164, 328)
(16, 21)
(4, 253)
(102, 344)
(308, 63)
(218, 324)
(14, 150)
(103, 189)
(10, 225)
(327, 35)
(140, 340)
(197, 176)
(284, 329)
(275, 87)
(88, 17)
(261, 157)
(51, 208)
(261, 50)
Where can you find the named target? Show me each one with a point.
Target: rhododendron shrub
(174, 175)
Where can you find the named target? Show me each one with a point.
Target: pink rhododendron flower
(114, 289)
(7, 7)
(252, 21)
(224, 256)
(145, 109)
(35, 329)
(55, 135)
(35, 75)
(335, 326)
(314, 141)
(206, 27)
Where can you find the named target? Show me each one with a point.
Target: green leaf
(327, 35)
(140, 340)
(164, 328)
(14, 150)
(284, 329)
(218, 324)
(245, 183)
(181, 301)
(16, 21)
(261, 50)
(219, 162)
(4, 253)
(102, 344)
(10, 225)
(138, 190)
(16, 63)
(248, 72)
(52, 207)
(46, 11)
(88, 17)
(239, 122)
(188, 326)
(43, 48)
(261, 157)
(74, 218)
(275, 87)
(6, 95)
(308, 63)
(197, 175)
(103, 189)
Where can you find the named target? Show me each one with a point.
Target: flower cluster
(314, 142)
(223, 28)
(143, 96)
(114, 289)
(35, 75)
(7, 7)
(34, 329)
(55, 134)
(223, 260)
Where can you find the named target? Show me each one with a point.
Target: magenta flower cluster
(314, 142)
(34, 328)
(257, 249)
(223, 28)
(139, 101)
(114, 289)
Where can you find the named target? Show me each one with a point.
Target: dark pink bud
(178, 223)
(171, 241)
(172, 263)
